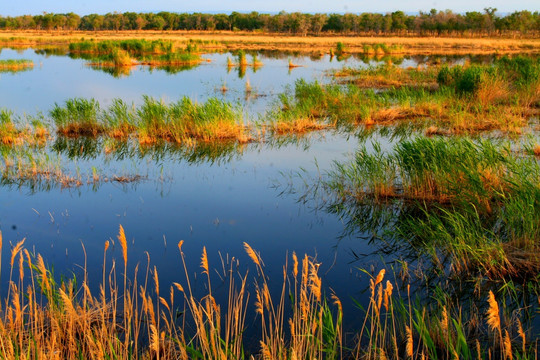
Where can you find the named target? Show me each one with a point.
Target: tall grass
(135, 317)
(134, 47)
(14, 132)
(153, 120)
(46, 319)
(12, 65)
(461, 99)
(477, 201)
(78, 116)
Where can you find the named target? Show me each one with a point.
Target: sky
(33, 7)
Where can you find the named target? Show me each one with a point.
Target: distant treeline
(424, 23)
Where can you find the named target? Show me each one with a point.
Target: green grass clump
(11, 65)
(475, 200)
(121, 53)
(78, 116)
(208, 121)
(135, 47)
(172, 59)
(153, 121)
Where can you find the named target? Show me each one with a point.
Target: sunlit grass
(11, 65)
(136, 317)
(477, 201)
(153, 121)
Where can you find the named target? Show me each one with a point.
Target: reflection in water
(36, 169)
(402, 231)
(88, 148)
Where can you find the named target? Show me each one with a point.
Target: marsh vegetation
(442, 188)
(11, 65)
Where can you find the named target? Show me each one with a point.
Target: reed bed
(475, 200)
(461, 99)
(13, 133)
(390, 76)
(12, 65)
(135, 317)
(179, 122)
(125, 53)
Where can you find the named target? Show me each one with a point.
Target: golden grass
(16, 66)
(59, 321)
(298, 126)
(226, 40)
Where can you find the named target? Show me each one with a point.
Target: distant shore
(229, 40)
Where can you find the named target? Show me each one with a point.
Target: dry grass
(43, 319)
(493, 91)
(249, 41)
(536, 150)
(298, 126)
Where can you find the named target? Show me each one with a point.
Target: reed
(78, 116)
(123, 53)
(476, 201)
(44, 318)
(14, 131)
(153, 120)
(11, 65)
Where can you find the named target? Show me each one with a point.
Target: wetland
(166, 201)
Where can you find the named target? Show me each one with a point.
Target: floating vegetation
(11, 65)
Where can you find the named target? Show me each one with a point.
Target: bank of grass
(134, 317)
(475, 201)
(180, 122)
(461, 99)
(235, 40)
(11, 65)
(389, 76)
(123, 53)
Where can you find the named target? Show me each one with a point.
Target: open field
(221, 41)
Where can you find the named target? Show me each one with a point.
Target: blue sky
(103, 6)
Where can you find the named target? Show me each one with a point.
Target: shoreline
(228, 40)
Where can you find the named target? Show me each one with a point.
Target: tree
(73, 21)
(317, 23)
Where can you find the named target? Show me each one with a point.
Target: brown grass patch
(297, 126)
(536, 149)
(229, 40)
(492, 91)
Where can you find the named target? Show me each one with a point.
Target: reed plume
(204, 261)
(251, 253)
(123, 243)
(409, 347)
(493, 319)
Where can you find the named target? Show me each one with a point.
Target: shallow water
(216, 200)
(57, 78)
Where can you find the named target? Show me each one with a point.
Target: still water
(215, 198)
